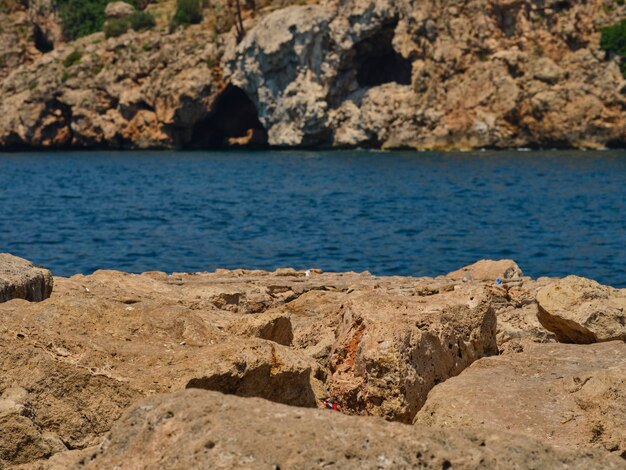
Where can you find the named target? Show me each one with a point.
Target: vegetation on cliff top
(83, 17)
(138, 21)
(187, 12)
(614, 41)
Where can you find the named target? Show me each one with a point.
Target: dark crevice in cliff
(575, 43)
(506, 17)
(42, 43)
(233, 121)
(377, 62)
(616, 143)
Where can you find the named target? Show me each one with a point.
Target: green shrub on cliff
(614, 42)
(116, 27)
(141, 20)
(138, 21)
(72, 58)
(187, 12)
(81, 17)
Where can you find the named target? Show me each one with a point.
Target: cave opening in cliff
(42, 43)
(377, 62)
(233, 121)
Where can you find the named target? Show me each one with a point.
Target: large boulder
(488, 270)
(375, 345)
(76, 361)
(580, 310)
(196, 429)
(384, 349)
(564, 395)
(19, 279)
(118, 10)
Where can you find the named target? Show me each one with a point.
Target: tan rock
(488, 270)
(580, 310)
(19, 279)
(16, 38)
(366, 73)
(201, 429)
(547, 71)
(475, 73)
(388, 350)
(118, 10)
(102, 341)
(163, 89)
(564, 395)
(516, 310)
(273, 326)
(71, 365)
(23, 441)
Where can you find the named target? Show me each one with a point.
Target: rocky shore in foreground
(481, 368)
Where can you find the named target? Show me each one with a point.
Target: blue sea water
(408, 213)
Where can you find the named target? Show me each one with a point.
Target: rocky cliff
(237, 369)
(350, 73)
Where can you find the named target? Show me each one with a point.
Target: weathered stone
(71, 365)
(118, 10)
(366, 73)
(22, 440)
(518, 328)
(516, 309)
(273, 326)
(564, 395)
(200, 429)
(580, 310)
(101, 341)
(383, 351)
(141, 90)
(19, 279)
(488, 270)
(547, 71)
(430, 76)
(16, 38)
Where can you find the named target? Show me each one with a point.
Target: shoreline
(304, 150)
(114, 367)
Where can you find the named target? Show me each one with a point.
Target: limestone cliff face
(139, 91)
(429, 74)
(349, 73)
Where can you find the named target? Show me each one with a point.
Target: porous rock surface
(206, 429)
(148, 89)
(19, 279)
(488, 270)
(563, 395)
(71, 365)
(390, 350)
(580, 310)
(434, 75)
(354, 73)
(118, 9)
(139, 91)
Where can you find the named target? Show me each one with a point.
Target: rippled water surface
(406, 213)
